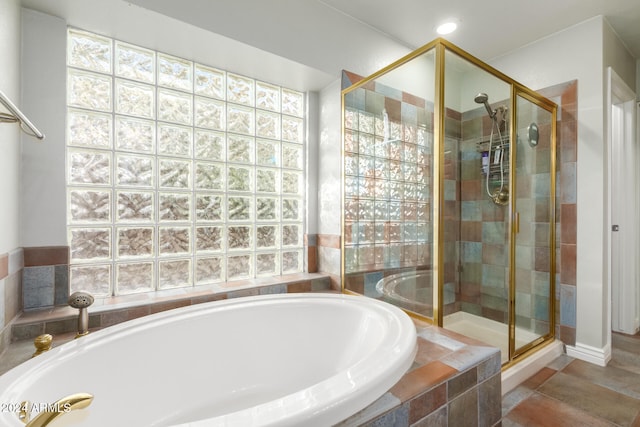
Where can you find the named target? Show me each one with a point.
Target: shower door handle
(516, 222)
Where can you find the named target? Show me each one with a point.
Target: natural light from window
(178, 174)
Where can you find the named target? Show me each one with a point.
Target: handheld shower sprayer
(483, 98)
(500, 196)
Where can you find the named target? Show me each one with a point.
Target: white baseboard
(597, 356)
(528, 366)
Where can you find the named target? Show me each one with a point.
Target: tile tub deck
(454, 380)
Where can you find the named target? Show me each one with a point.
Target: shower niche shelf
(497, 160)
(483, 144)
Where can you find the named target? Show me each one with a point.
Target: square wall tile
(12, 296)
(61, 285)
(2, 304)
(49, 255)
(568, 305)
(16, 260)
(4, 266)
(38, 287)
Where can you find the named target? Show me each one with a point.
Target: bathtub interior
(202, 363)
(410, 290)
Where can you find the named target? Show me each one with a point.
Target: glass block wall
(178, 174)
(387, 188)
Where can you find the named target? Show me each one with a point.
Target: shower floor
(494, 333)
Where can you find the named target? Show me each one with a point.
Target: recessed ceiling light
(447, 27)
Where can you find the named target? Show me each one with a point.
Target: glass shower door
(534, 211)
(476, 237)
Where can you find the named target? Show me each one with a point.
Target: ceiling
(362, 36)
(487, 28)
(491, 28)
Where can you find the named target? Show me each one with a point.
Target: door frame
(622, 207)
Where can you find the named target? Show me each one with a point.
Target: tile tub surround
(45, 277)
(11, 265)
(46, 271)
(454, 381)
(110, 311)
(329, 258)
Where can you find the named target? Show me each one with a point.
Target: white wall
(584, 42)
(345, 43)
(617, 56)
(330, 175)
(313, 145)
(124, 21)
(329, 159)
(9, 159)
(578, 53)
(43, 208)
(9, 133)
(638, 78)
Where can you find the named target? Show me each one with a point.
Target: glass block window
(178, 173)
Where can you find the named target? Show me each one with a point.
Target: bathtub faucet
(55, 410)
(81, 300)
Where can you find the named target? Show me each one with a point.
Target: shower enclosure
(449, 197)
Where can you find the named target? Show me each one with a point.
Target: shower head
(483, 98)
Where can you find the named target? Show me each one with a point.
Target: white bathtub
(285, 360)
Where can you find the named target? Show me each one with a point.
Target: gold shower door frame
(516, 353)
(440, 46)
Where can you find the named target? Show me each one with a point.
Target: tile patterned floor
(570, 392)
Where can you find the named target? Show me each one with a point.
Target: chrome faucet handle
(55, 410)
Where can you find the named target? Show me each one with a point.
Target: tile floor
(570, 392)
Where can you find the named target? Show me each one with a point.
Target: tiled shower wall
(484, 235)
(453, 214)
(566, 96)
(481, 234)
(487, 254)
(484, 243)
